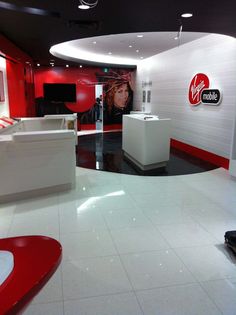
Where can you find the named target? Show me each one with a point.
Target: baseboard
(112, 127)
(36, 192)
(200, 153)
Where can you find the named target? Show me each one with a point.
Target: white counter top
(43, 135)
(144, 117)
(139, 112)
(5, 138)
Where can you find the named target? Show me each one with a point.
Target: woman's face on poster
(121, 96)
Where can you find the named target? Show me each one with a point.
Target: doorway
(99, 107)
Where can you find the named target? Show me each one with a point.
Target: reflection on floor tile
(105, 305)
(94, 277)
(87, 245)
(223, 293)
(156, 269)
(138, 239)
(182, 300)
(208, 262)
(55, 308)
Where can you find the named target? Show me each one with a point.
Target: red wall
(19, 79)
(84, 78)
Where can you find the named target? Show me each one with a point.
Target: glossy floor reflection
(134, 245)
(103, 151)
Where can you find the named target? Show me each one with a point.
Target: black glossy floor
(103, 151)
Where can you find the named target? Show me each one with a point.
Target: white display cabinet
(146, 140)
(37, 156)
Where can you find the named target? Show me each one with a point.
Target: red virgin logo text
(199, 82)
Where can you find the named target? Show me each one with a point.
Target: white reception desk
(146, 140)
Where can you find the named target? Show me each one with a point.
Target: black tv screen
(59, 92)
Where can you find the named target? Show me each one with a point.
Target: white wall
(4, 106)
(206, 127)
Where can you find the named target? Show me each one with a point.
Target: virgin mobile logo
(199, 83)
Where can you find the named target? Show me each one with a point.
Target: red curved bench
(36, 258)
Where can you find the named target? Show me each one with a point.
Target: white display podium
(146, 140)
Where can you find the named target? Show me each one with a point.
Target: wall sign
(210, 97)
(199, 91)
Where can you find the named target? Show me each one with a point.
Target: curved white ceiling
(121, 49)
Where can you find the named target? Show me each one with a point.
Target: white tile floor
(135, 245)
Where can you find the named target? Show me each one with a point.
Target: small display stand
(146, 140)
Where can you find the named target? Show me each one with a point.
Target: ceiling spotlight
(67, 66)
(140, 35)
(187, 15)
(87, 4)
(38, 64)
(81, 66)
(137, 51)
(130, 46)
(94, 43)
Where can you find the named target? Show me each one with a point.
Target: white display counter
(37, 162)
(146, 140)
(48, 122)
(37, 156)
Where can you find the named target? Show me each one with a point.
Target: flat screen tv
(59, 92)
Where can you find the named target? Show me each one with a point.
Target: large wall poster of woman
(118, 97)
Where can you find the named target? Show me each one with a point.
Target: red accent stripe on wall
(202, 154)
(105, 127)
(112, 127)
(87, 127)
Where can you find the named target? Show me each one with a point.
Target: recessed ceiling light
(81, 66)
(67, 66)
(38, 64)
(130, 46)
(137, 51)
(83, 7)
(140, 35)
(176, 37)
(187, 15)
(94, 42)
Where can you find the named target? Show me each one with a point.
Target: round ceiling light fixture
(87, 4)
(187, 15)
